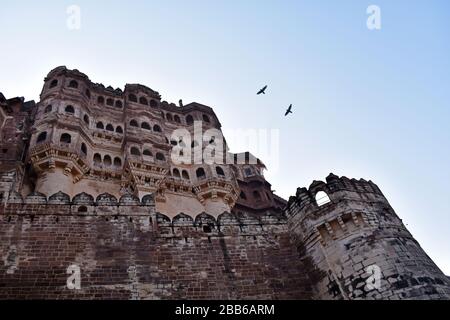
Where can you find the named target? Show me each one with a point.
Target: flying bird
(289, 110)
(262, 90)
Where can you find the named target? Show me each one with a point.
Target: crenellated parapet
(85, 199)
(338, 205)
(107, 206)
(226, 224)
(337, 189)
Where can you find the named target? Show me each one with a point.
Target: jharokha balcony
(48, 155)
(213, 187)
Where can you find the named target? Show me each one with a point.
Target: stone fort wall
(126, 250)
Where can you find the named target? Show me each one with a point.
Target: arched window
(97, 159)
(109, 102)
(117, 162)
(206, 118)
(185, 175)
(65, 138)
(243, 196)
(100, 125)
(189, 119)
(83, 149)
(322, 198)
(73, 84)
(86, 119)
(146, 126)
(69, 109)
(100, 100)
(144, 101)
(220, 172)
(107, 160)
(177, 119)
(135, 151)
(132, 98)
(156, 128)
(153, 103)
(147, 153)
(41, 137)
(248, 172)
(110, 127)
(176, 173)
(54, 83)
(134, 123)
(169, 117)
(200, 173)
(88, 93)
(119, 104)
(119, 129)
(82, 209)
(48, 108)
(160, 157)
(256, 195)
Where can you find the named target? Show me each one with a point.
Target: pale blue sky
(367, 104)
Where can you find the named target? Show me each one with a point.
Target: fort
(87, 178)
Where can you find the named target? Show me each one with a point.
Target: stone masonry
(89, 182)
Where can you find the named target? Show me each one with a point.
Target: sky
(369, 104)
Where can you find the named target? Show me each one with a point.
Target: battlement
(338, 208)
(106, 205)
(319, 194)
(60, 198)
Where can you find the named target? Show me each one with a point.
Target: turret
(359, 246)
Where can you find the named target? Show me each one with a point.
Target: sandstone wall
(128, 251)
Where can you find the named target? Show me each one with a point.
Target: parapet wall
(359, 246)
(126, 250)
